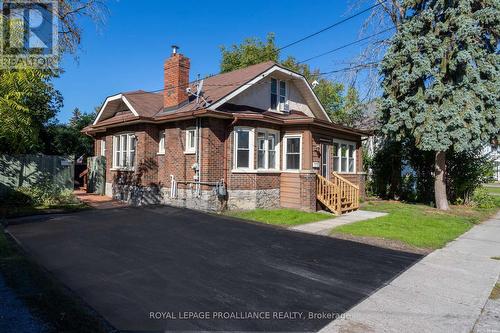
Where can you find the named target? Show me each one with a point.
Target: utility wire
(303, 61)
(352, 68)
(240, 83)
(330, 26)
(345, 45)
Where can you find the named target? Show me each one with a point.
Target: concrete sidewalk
(324, 227)
(444, 292)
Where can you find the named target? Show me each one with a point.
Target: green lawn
(416, 225)
(284, 217)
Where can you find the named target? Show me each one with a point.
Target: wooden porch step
(338, 195)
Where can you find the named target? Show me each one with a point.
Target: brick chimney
(176, 71)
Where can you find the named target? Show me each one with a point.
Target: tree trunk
(439, 181)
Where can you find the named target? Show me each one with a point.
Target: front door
(325, 165)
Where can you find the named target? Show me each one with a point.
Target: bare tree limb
(388, 13)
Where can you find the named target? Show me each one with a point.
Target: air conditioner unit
(284, 107)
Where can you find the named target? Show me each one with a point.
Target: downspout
(225, 147)
(198, 152)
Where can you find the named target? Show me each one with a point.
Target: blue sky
(128, 51)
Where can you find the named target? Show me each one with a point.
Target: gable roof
(217, 90)
(145, 103)
(300, 82)
(140, 103)
(218, 86)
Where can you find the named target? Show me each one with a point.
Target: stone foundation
(251, 199)
(137, 195)
(187, 198)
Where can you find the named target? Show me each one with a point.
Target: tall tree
(67, 139)
(441, 79)
(351, 112)
(252, 51)
(28, 101)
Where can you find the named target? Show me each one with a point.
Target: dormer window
(278, 95)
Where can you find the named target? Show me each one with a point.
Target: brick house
(256, 137)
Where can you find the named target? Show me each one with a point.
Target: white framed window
(124, 146)
(278, 94)
(344, 156)
(292, 152)
(161, 142)
(243, 156)
(267, 149)
(103, 147)
(190, 141)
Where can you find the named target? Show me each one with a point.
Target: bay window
(124, 150)
(344, 159)
(267, 146)
(292, 152)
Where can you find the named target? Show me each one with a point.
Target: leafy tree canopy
(352, 110)
(252, 51)
(28, 101)
(66, 139)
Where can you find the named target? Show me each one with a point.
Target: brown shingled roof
(145, 103)
(220, 85)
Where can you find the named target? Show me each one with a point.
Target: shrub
(482, 199)
(18, 198)
(42, 194)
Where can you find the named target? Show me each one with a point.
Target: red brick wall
(250, 181)
(212, 157)
(176, 76)
(146, 148)
(175, 162)
(158, 168)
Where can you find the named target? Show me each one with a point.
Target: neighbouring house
(257, 137)
(493, 151)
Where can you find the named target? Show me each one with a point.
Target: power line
(345, 45)
(330, 26)
(240, 84)
(300, 62)
(352, 68)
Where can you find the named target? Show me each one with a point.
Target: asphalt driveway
(155, 268)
